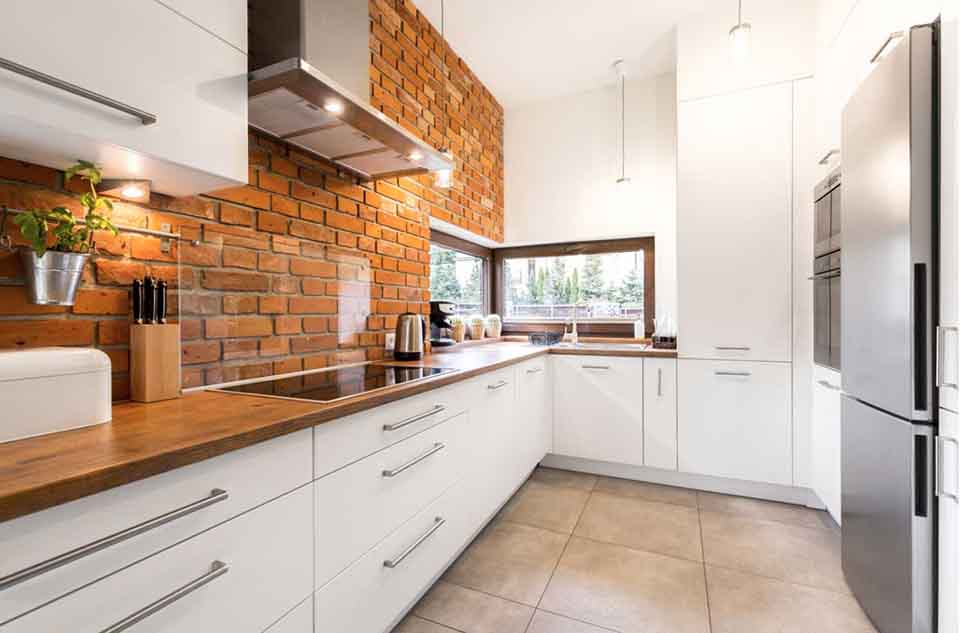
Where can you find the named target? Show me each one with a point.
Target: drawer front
(370, 596)
(734, 420)
(268, 556)
(249, 477)
(354, 437)
(359, 505)
(300, 620)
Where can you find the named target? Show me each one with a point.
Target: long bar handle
(731, 348)
(828, 275)
(741, 374)
(659, 382)
(828, 385)
(941, 339)
(598, 367)
(420, 416)
(938, 480)
(145, 117)
(535, 370)
(393, 472)
(216, 496)
(217, 569)
(826, 157)
(499, 385)
(395, 562)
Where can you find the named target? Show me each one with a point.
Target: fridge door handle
(938, 483)
(941, 340)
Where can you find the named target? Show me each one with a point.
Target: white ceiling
(531, 50)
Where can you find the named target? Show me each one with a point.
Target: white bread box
(50, 389)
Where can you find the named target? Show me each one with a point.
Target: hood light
(333, 106)
(415, 156)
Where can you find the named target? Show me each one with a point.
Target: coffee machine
(440, 313)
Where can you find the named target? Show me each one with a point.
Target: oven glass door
(821, 321)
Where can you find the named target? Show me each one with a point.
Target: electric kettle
(411, 332)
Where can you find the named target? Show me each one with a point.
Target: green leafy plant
(71, 235)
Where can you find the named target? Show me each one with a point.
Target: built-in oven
(826, 272)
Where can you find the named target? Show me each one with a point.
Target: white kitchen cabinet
(825, 438)
(300, 620)
(139, 53)
(535, 406)
(948, 489)
(227, 19)
(660, 413)
(598, 408)
(733, 420)
(268, 554)
(734, 202)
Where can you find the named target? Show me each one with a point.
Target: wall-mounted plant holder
(52, 279)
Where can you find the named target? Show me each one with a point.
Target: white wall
(561, 166)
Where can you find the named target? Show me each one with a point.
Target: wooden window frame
(608, 328)
(455, 243)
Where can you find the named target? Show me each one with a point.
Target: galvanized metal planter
(54, 278)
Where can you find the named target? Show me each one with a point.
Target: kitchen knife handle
(137, 301)
(149, 300)
(162, 302)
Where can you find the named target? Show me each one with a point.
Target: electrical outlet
(391, 341)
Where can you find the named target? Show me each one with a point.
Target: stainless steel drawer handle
(420, 416)
(659, 382)
(216, 496)
(597, 367)
(826, 157)
(393, 472)
(535, 370)
(731, 348)
(938, 480)
(828, 275)
(217, 569)
(395, 562)
(499, 385)
(741, 374)
(828, 385)
(145, 117)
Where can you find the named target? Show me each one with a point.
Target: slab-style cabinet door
(598, 408)
(660, 413)
(825, 438)
(535, 407)
(187, 87)
(734, 201)
(734, 420)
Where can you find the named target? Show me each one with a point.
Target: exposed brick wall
(301, 268)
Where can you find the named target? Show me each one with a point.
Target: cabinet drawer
(359, 505)
(267, 555)
(734, 420)
(300, 620)
(349, 439)
(248, 477)
(376, 590)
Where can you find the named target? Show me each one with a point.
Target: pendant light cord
(623, 127)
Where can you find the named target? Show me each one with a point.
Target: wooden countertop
(149, 439)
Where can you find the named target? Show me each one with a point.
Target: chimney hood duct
(309, 67)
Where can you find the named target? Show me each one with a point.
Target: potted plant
(53, 271)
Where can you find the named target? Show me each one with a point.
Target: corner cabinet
(598, 408)
(150, 61)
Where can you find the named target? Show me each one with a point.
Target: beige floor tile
(807, 556)
(648, 491)
(742, 602)
(761, 509)
(565, 478)
(656, 527)
(628, 590)
(511, 560)
(550, 507)
(544, 622)
(471, 611)
(413, 624)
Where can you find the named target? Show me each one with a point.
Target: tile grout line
(703, 555)
(567, 617)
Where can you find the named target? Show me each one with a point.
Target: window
(459, 276)
(601, 282)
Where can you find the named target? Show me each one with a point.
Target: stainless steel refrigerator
(888, 306)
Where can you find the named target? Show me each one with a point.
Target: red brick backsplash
(301, 268)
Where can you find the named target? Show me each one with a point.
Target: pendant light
(444, 177)
(620, 69)
(740, 33)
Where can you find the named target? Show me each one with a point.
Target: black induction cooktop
(327, 385)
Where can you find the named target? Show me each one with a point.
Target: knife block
(154, 362)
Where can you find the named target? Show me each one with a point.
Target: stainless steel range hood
(309, 66)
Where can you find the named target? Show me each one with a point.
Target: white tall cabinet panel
(735, 189)
(598, 408)
(733, 420)
(142, 54)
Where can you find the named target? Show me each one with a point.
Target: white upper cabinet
(227, 19)
(139, 54)
(734, 225)
(598, 408)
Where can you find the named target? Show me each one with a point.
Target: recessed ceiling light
(333, 106)
(128, 188)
